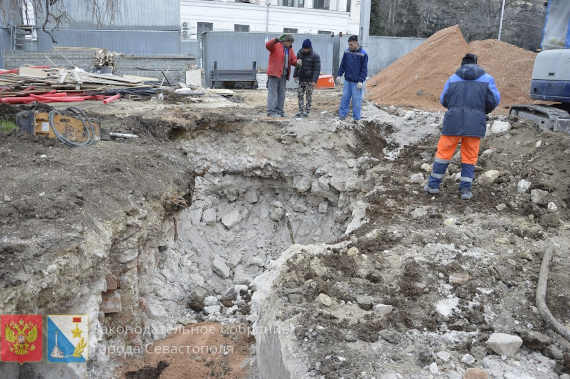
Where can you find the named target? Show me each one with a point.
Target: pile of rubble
(55, 84)
(316, 232)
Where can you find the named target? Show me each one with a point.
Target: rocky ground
(293, 247)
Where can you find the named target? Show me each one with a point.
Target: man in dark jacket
(281, 58)
(468, 95)
(354, 67)
(307, 75)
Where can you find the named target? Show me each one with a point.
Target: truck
(551, 73)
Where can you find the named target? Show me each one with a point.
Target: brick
(112, 282)
(111, 302)
(475, 373)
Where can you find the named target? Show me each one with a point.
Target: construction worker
(468, 95)
(354, 67)
(307, 75)
(281, 58)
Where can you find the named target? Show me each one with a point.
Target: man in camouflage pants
(307, 75)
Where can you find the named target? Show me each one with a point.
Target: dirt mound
(417, 78)
(511, 67)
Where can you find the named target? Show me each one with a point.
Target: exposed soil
(202, 350)
(403, 255)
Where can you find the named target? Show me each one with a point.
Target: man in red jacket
(281, 58)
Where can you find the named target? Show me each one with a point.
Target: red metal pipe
(112, 98)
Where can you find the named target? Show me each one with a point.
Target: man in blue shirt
(354, 67)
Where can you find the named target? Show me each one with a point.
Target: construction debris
(53, 84)
(72, 126)
(105, 60)
(123, 135)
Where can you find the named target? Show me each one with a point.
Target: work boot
(466, 195)
(431, 190)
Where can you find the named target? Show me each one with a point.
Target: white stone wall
(224, 14)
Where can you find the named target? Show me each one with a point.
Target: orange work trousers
(469, 148)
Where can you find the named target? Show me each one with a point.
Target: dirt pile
(511, 67)
(417, 78)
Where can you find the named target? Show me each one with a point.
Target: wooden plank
(33, 72)
(141, 78)
(113, 78)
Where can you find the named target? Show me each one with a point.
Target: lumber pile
(25, 84)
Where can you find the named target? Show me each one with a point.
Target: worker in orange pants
(468, 95)
(446, 149)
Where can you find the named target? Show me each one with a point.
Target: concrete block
(504, 344)
(220, 267)
(489, 177)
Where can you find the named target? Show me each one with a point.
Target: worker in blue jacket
(469, 95)
(354, 67)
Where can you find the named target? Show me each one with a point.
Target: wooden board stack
(37, 80)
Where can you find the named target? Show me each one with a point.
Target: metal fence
(383, 51)
(171, 69)
(231, 50)
(5, 44)
(235, 51)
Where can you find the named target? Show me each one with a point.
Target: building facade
(275, 16)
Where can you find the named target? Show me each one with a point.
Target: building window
(292, 3)
(29, 20)
(321, 4)
(348, 5)
(290, 30)
(241, 28)
(205, 27)
(325, 32)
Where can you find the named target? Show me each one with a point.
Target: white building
(276, 16)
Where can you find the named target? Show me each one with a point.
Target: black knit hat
(353, 38)
(469, 59)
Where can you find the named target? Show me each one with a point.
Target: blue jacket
(354, 65)
(468, 95)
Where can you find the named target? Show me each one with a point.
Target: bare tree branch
(46, 20)
(55, 13)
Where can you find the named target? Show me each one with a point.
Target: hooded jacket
(468, 95)
(276, 57)
(310, 68)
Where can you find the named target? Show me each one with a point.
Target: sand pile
(417, 78)
(511, 67)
